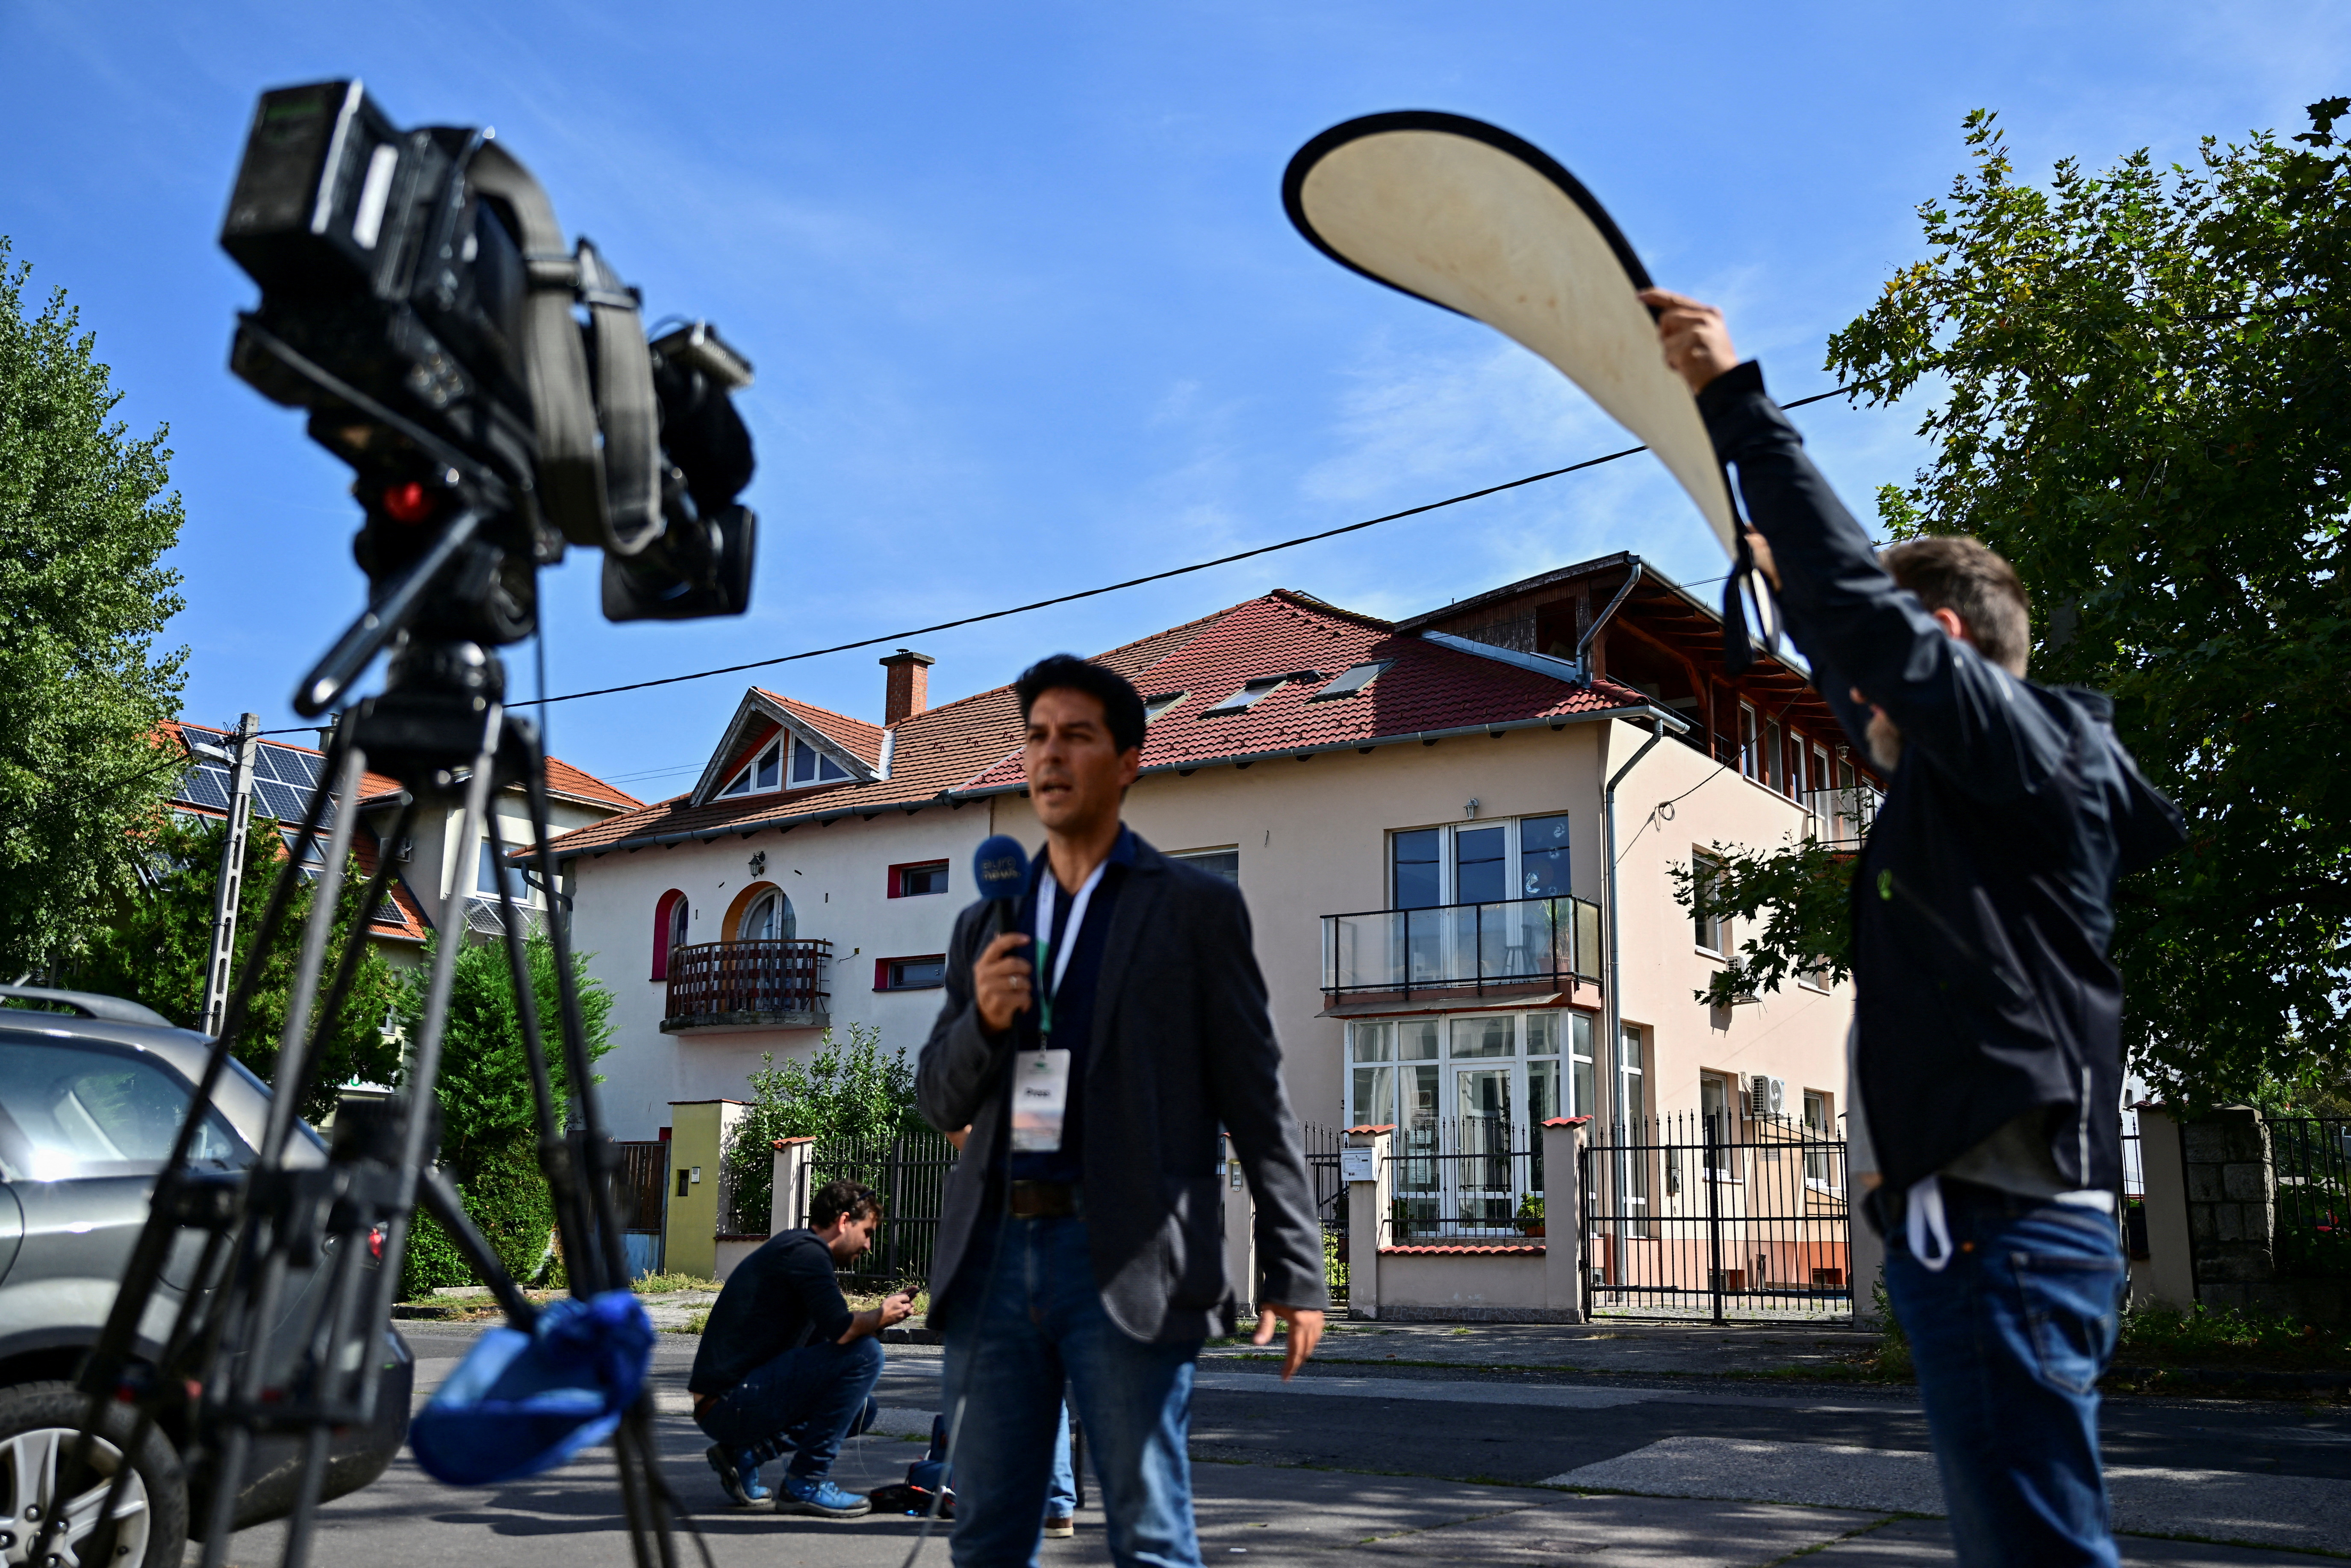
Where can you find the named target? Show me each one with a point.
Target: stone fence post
(1371, 1189)
(2167, 1278)
(789, 1209)
(2231, 1196)
(1563, 1149)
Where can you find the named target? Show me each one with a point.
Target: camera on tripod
(419, 299)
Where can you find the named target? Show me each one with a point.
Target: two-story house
(430, 862)
(1423, 815)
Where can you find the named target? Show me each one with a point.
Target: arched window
(769, 918)
(669, 929)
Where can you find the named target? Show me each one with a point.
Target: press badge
(1040, 1097)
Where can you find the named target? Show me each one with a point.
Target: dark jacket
(1181, 1045)
(1983, 902)
(781, 1297)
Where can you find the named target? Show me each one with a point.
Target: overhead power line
(897, 637)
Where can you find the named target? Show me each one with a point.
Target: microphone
(1000, 870)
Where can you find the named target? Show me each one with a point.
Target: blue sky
(1026, 311)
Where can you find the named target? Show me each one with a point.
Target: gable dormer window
(761, 774)
(810, 766)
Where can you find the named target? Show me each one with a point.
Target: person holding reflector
(1988, 1018)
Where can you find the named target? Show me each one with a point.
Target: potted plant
(1531, 1215)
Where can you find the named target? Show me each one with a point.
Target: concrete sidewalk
(1604, 1345)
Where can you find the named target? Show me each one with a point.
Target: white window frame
(748, 776)
(1701, 861)
(1448, 856)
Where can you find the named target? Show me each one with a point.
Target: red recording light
(375, 1243)
(407, 503)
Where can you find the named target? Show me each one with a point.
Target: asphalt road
(1351, 1452)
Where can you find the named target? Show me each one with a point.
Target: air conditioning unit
(1767, 1096)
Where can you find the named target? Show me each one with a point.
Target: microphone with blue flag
(1000, 870)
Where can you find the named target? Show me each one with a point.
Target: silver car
(92, 1091)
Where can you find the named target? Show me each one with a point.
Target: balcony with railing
(752, 983)
(1842, 816)
(1505, 948)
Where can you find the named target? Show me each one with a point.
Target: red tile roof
(854, 736)
(579, 784)
(972, 746)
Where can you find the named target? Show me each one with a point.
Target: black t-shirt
(779, 1298)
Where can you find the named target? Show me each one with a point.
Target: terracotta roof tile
(854, 736)
(973, 745)
(563, 778)
(936, 750)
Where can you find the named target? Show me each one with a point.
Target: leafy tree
(152, 946)
(2143, 403)
(1798, 891)
(84, 521)
(838, 1092)
(489, 1127)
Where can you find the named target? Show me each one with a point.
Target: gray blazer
(1182, 1044)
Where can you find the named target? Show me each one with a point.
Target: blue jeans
(806, 1401)
(1061, 1491)
(2009, 1340)
(1022, 1316)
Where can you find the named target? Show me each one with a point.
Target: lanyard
(1049, 962)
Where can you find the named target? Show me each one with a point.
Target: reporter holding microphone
(1101, 1025)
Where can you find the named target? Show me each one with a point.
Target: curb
(910, 1336)
(2333, 1383)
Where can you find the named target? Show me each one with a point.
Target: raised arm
(966, 1049)
(1976, 721)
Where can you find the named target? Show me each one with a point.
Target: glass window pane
(1479, 874)
(1631, 1058)
(1372, 1041)
(86, 1112)
(1418, 1088)
(486, 877)
(1543, 857)
(1579, 1036)
(803, 763)
(1581, 1082)
(771, 766)
(1542, 1036)
(1374, 1100)
(1487, 1036)
(827, 769)
(1416, 1041)
(1542, 1091)
(1416, 885)
(741, 785)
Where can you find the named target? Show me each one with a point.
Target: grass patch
(696, 1321)
(2165, 1336)
(665, 1284)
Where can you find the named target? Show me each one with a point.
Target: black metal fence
(1469, 1179)
(1323, 1167)
(910, 1173)
(1716, 1217)
(2311, 1234)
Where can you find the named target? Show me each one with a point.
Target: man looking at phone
(1081, 1234)
(786, 1367)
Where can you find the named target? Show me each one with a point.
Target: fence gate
(1716, 1217)
(641, 1193)
(909, 1172)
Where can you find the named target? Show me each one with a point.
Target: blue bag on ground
(522, 1403)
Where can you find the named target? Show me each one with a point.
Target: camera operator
(1082, 1236)
(784, 1366)
(1986, 1020)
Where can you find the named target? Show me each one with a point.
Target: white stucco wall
(1312, 841)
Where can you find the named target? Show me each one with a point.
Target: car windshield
(76, 1108)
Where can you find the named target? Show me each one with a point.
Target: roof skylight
(1353, 680)
(1247, 697)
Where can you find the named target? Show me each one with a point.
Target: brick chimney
(909, 684)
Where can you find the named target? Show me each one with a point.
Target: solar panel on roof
(206, 784)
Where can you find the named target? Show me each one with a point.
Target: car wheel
(40, 1424)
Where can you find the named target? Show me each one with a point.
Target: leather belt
(1043, 1200)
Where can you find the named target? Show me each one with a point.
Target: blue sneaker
(738, 1481)
(817, 1495)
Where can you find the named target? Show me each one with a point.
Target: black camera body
(419, 300)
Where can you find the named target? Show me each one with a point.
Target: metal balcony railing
(780, 983)
(1475, 948)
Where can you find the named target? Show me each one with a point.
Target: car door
(85, 1126)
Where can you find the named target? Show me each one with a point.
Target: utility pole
(232, 868)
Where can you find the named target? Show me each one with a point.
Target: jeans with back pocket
(2009, 1340)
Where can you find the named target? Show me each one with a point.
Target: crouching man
(786, 1367)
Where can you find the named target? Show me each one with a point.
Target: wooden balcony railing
(750, 984)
